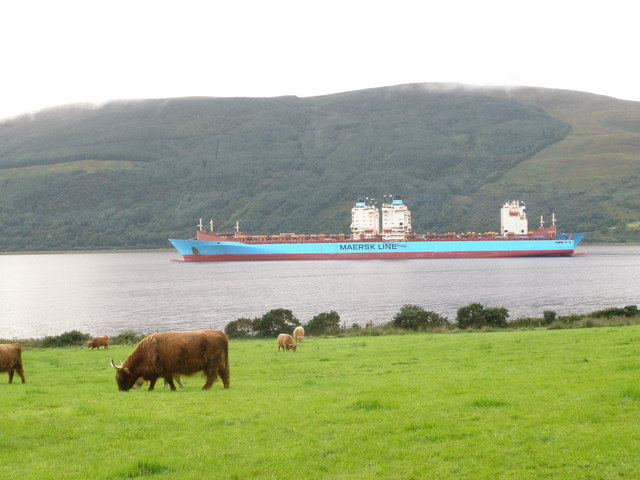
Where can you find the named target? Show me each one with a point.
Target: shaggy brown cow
(98, 342)
(298, 334)
(163, 355)
(285, 341)
(11, 360)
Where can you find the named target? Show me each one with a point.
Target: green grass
(500, 405)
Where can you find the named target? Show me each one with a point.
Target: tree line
(474, 316)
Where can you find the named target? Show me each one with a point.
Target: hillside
(132, 174)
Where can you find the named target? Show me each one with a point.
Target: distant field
(561, 404)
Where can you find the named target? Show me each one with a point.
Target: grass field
(506, 405)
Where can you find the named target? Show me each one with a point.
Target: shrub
(241, 328)
(549, 316)
(526, 322)
(628, 311)
(470, 316)
(74, 337)
(274, 322)
(127, 337)
(323, 323)
(476, 315)
(496, 317)
(414, 317)
(570, 318)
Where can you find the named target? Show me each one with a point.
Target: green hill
(132, 174)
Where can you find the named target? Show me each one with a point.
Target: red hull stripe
(375, 256)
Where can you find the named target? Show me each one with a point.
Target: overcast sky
(56, 52)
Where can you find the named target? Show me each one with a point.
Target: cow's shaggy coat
(163, 355)
(298, 334)
(98, 342)
(285, 341)
(11, 360)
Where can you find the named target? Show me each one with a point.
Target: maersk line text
(369, 246)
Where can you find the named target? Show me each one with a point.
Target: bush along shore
(410, 318)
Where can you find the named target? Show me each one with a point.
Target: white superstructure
(365, 219)
(513, 218)
(396, 219)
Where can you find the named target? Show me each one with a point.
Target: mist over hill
(132, 174)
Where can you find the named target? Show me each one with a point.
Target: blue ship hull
(223, 250)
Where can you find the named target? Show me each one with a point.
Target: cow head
(124, 378)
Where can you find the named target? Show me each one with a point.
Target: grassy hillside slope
(597, 165)
(132, 174)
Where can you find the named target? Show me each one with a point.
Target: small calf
(285, 341)
(298, 334)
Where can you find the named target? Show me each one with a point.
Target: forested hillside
(132, 174)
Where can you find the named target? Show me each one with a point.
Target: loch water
(107, 293)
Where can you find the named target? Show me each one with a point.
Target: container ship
(383, 233)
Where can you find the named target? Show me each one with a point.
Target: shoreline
(561, 322)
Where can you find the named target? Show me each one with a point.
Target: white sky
(56, 52)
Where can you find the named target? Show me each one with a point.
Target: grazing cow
(298, 334)
(98, 342)
(11, 360)
(164, 355)
(141, 381)
(285, 341)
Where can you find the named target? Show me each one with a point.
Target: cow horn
(114, 366)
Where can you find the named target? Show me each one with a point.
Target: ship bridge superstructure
(513, 218)
(396, 219)
(365, 219)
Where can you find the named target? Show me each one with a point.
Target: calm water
(106, 293)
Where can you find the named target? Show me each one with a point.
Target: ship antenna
(200, 225)
(541, 222)
(237, 227)
(211, 225)
(553, 218)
